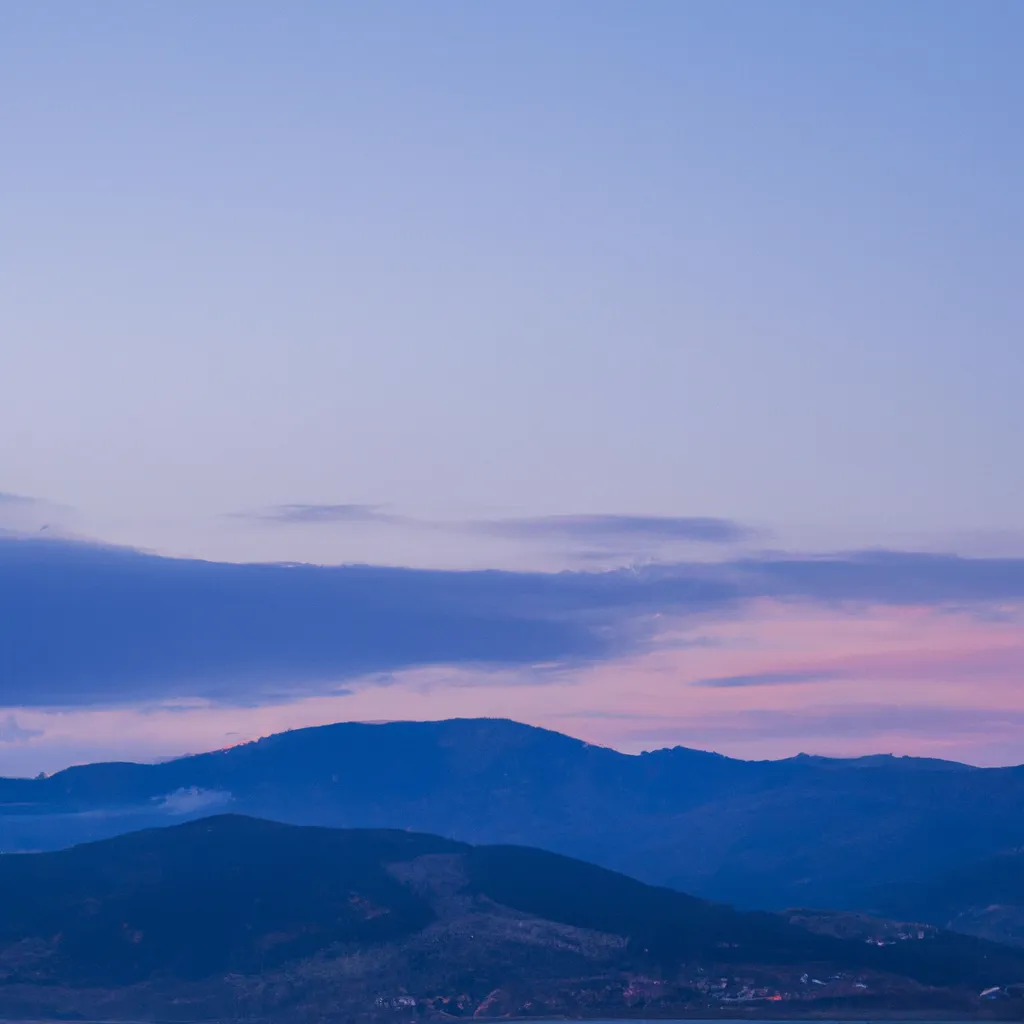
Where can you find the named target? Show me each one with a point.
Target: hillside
(231, 916)
(983, 898)
(806, 831)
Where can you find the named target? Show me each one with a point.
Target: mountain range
(805, 831)
(230, 917)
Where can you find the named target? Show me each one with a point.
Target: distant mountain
(231, 917)
(807, 831)
(983, 898)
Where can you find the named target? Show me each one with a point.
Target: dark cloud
(81, 624)
(617, 528)
(294, 514)
(890, 577)
(765, 679)
(883, 577)
(16, 499)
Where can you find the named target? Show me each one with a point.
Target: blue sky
(397, 284)
(734, 259)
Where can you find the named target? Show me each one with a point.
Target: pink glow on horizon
(912, 680)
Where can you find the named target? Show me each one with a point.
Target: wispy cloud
(193, 800)
(766, 679)
(835, 721)
(591, 537)
(7, 498)
(617, 528)
(305, 514)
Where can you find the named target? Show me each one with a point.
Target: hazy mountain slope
(983, 898)
(231, 916)
(804, 831)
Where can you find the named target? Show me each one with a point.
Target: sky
(697, 325)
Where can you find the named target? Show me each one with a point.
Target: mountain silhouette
(805, 831)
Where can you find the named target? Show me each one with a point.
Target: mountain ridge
(853, 761)
(801, 831)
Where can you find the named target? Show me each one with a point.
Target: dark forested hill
(223, 894)
(231, 916)
(805, 831)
